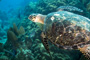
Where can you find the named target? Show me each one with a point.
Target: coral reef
(48, 6)
(23, 39)
(14, 33)
(31, 48)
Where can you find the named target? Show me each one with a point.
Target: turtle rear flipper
(86, 51)
(69, 8)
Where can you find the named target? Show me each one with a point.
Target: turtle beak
(30, 17)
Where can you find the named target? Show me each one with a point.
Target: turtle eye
(30, 16)
(34, 16)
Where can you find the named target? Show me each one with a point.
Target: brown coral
(15, 29)
(21, 30)
(14, 33)
(11, 36)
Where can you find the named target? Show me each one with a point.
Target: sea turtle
(64, 29)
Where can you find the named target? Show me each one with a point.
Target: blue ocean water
(9, 9)
(20, 36)
(13, 4)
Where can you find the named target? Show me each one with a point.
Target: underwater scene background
(20, 37)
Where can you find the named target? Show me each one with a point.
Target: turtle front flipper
(86, 51)
(45, 42)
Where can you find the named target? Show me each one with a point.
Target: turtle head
(32, 17)
(86, 50)
(38, 19)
